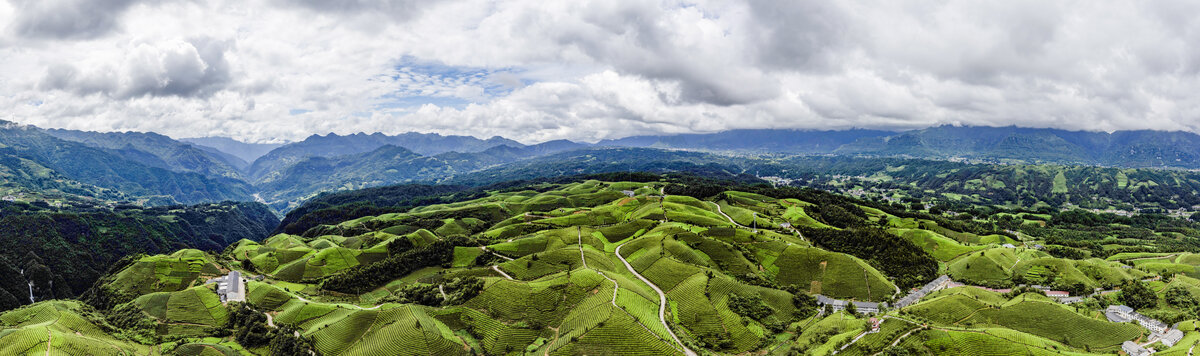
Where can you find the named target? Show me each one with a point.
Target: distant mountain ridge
(333, 145)
(134, 165)
(763, 140)
(39, 159)
(247, 152)
(1132, 149)
(388, 165)
(164, 152)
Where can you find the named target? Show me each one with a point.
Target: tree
(805, 304)
(851, 308)
(1136, 295)
(896, 351)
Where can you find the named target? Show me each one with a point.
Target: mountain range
(156, 169)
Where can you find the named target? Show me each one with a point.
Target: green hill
(577, 267)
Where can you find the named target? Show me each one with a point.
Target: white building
(1133, 349)
(1172, 337)
(939, 283)
(838, 305)
(1122, 314)
(231, 288)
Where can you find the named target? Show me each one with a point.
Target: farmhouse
(628, 193)
(1122, 314)
(936, 284)
(1071, 300)
(1057, 294)
(231, 288)
(1133, 349)
(837, 305)
(1118, 313)
(1172, 337)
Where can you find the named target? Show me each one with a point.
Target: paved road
(497, 269)
(484, 248)
(662, 301)
(302, 299)
(735, 223)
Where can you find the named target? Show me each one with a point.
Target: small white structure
(1122, 314)
(1133, 349)
(231, 288)
(1008, 246)
(1172, 337)
(1070, 300)
(628, 193)
(838, 305)
(937, 284)
(1118, 313)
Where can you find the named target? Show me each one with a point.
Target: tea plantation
(591, 267)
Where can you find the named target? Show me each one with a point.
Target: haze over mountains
(157, 169)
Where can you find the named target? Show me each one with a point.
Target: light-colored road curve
(662, 301)
(497, 269)
(484, 248)
(735, 223)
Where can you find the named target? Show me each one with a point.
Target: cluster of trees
(248, 326)
(336, 207)
(1184, 300)
(1137, 295)
(895, 256)
(750, 305)
(364, 278)
(457, 291)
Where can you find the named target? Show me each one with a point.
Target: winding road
(735, 223)
(662, 301)
(497, 269)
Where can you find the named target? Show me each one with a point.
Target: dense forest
(62, 251)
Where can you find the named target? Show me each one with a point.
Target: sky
(281, 70)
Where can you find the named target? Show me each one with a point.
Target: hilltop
(645, 265)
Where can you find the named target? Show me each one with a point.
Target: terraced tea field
(599, 268)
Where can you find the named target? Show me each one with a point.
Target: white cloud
(588, 70)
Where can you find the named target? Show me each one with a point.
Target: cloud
(195, 67)
(593, 69)
(68, 19)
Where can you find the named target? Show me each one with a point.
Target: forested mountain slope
(384, 166)
(50, 253)
(155, 150)
(50, 157)
(333, 145)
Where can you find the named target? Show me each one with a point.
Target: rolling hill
(650, 264)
